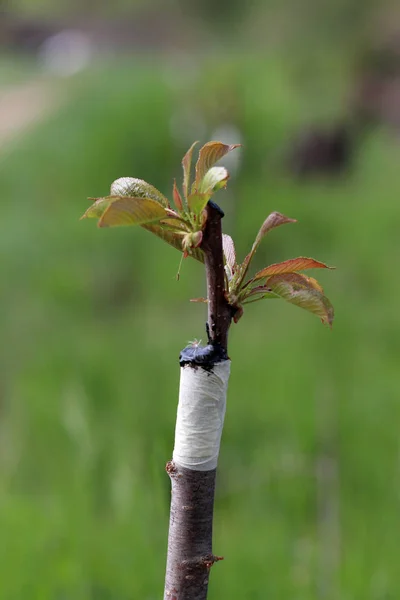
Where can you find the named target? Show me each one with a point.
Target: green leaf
(186, 164)
(96, 210)
(292, 265)
(215, 179)
(178, 225)
(137, 188)
(173, 239)
(131, 211)
(209, 154)
(303, 292)
(259, 293)
(197, 202)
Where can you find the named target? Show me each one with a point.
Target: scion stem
(190, 556)
(219, 310)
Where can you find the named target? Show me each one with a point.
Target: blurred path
(23, 105)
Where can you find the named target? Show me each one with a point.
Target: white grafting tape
(200, 418)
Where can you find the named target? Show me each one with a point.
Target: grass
(93, 321)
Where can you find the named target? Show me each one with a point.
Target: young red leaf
(292, 265)
(186, 164)
(303, 292)
(131, 211)
(259, 292)
(137, 188)
(177, 197)
(275, 219)
(315, 284)
(165, 227)
(209, 154)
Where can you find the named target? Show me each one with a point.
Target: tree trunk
(201, 411)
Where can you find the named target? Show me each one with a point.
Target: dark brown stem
(190, 533)
(219, 311)
(190, 554)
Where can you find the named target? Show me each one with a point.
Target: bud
(192, 240)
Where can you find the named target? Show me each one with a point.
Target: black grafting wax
(202, 356)
(216, 207)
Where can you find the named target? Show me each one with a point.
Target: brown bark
(219, 311)
(190, 554)
(190, 533)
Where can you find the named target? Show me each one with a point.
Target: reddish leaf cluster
(280, 280)
(136, 202)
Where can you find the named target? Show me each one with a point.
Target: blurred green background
(92, 321)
